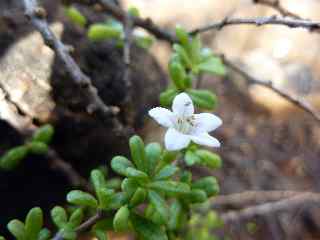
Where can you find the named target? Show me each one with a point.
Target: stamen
(185, 125)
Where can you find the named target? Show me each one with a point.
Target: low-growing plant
(158, 190)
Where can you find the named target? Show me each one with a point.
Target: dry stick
(37, 16)
(247, 198)
(128, 28)
(260, 21)
(269, 208)
(275, 4)
(305, 106)
(84, 226)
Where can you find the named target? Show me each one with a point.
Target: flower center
(185, 124)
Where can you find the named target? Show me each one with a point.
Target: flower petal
(205, 139)
(206, 122)
(175, 140)
(162, 116)
(183, 105)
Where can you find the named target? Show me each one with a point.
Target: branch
(260, 21)
(128, 28)
(75, 179)
(268, 208)
(275, 4)
(300, 103)
(37, 16)
(84, 226)
(247, 198)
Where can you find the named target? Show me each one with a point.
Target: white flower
(185, 126)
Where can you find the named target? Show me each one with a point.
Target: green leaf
(59, 216)
(213, 65)
(208, 184)
(182, 56)
(169, 156)
(114, 183)
(138, 197)
(68, 234)
(188, 80)
(121, 218)
(81, 198)
(146, 229)
(137, 153)
(115, 24)
(203, 98)
(100, 235)
(104, 224)
(129, 186)
(196, 196)
(213, 220)
(186, 177)
(119, 164)
(76, 218)
(37, 147)
(153, 155)
(104, 196)
(195, 49)
(191, 158)
(134, 173)
(17, 229)
(97, 178)
(160, 205)
(144, 42)
(2, 238)
(177, 74)
(153, 215)
(75, 16)
(118, 200)
(13, 157)
(170, 187)
(133, 11)
(100, 32)
(166, 172)
(182, 35)
(205, 54)
(209, 159)
(166, 97)
(44, 134)
(33, 223)
(44, 234)
(175, 214)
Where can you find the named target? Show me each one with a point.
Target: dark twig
(260, 21)
(275, 4)
(249, 198)
(84, 226)
(268, 208)
(37, 16)
(305, 106)
(75, 179)
(128, 28)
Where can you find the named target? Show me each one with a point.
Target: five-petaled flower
(185, 126)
